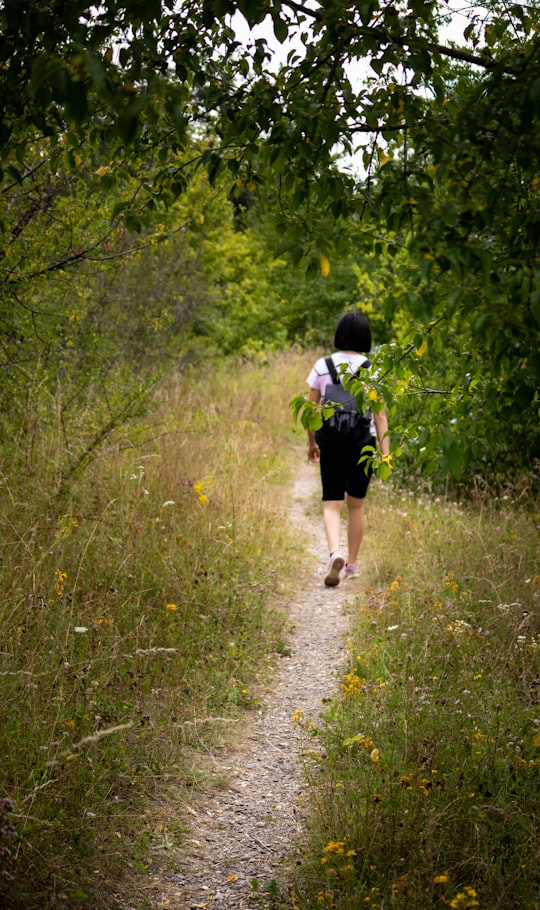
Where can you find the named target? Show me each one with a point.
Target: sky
(459, 10)
(460, 13)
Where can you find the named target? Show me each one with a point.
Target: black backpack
(347, 425)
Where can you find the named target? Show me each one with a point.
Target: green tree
(447, 135)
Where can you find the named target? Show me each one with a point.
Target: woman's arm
(313, 449)
(381, 425)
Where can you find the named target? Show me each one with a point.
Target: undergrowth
(139, 613)
(423, 774)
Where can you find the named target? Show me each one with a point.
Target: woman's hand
(313, 451)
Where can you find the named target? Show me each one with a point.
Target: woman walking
(343, 479)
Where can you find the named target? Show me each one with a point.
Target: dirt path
(248, 830)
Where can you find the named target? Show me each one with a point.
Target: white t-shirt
(319, 377)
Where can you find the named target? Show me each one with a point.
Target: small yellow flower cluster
(464, 899)
(306, 722)
(395, 584)
(450, 582)
(334, 851)
(521, 764)
(352, 685)
(413, 782)
(314, 754)
(442, 879)
(171, 608)
(337, 847)
(459, 627)
(60, 580)
(198, 490)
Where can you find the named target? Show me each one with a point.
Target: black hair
(353, 333)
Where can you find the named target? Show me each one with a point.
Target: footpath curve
(250, 829)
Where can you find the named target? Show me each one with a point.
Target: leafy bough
(312, 416)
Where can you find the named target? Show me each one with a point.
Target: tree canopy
(372, 133)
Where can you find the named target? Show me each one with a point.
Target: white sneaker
(333, 570)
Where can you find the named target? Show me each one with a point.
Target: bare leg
(355, 527)
(332, 523)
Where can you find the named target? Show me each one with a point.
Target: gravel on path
(249, 830)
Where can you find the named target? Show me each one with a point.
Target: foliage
(137, 615)
(423, 772)
(374, 133)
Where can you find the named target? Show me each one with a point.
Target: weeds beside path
(243, 835)
(416, 786)
(146, 761)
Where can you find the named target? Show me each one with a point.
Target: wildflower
(458, 627)
(441, 879)
(80, 629)
(314, 754)
(60, 580)
(352, 685)
(298, 716)
(171, 607)
(375, 755)
(335, 846)
(464, 899)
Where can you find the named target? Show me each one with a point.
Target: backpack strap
(333, 372)
(332, 369)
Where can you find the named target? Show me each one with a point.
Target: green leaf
(281, 28)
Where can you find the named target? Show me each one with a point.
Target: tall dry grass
(424, 774)
(139, 611)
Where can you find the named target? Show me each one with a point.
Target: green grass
(423, 775)
(142, 609)
(140, 613)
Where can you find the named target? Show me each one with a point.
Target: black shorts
(341, 473)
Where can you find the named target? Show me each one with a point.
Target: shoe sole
(332, 578)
